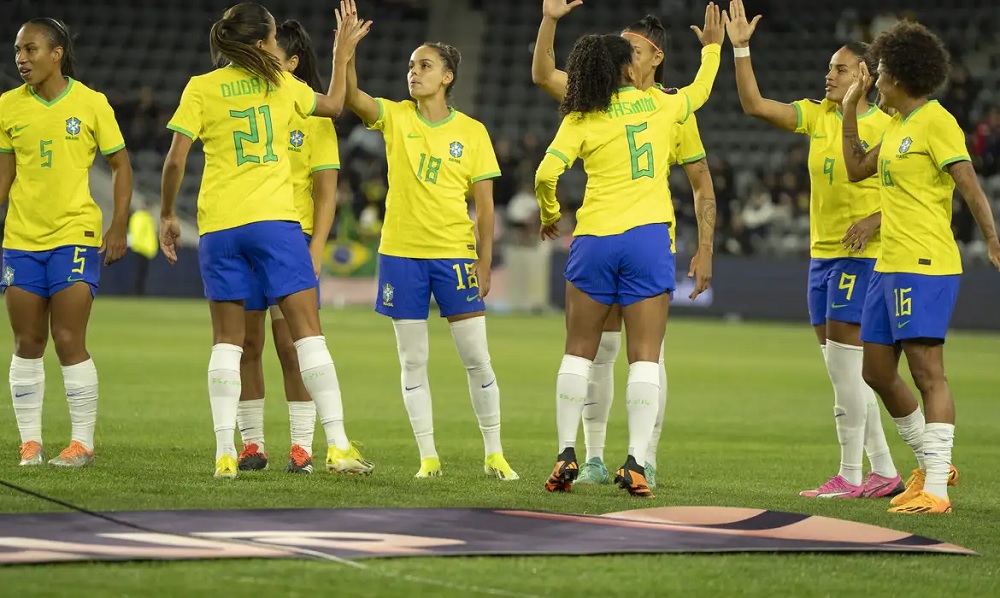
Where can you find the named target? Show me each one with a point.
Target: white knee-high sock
(320, 378)
(938, 441)
(250, 419)
(875, 443)
(484, 390)
(571, 394)
(27, 389)
(413, 349)
(850, 408)
(224, 386)
(80, 381)
(654, 439)
(302, 421)
(600, 395)
(642, 402)
(911, 430)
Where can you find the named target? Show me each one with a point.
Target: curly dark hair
(914, 56)
(594, 71)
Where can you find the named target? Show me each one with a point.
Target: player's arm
(121, 192)
(972, 192)
(360, 103)
(559, 156)
(350, 31)
(543, 60)
(324, 211)
(8, 170)
(711, 38)
(482, 193)
(170, 186)
(704, 202)
(861, 163)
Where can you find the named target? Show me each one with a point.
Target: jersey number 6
(640, 154)
(241, 137)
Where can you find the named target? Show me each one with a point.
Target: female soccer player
(50, 129)
(247, 217)
(314, 157)
(648, 38)
(921, 158)
(620, 252)
(436, 156)
(838, 276)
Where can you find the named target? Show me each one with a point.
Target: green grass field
(748, 424)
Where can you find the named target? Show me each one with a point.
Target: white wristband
(741, 52)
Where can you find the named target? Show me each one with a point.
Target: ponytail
(233, 39)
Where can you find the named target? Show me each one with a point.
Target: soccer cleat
(650, 474)
(252, 458)
(835, 487)
(32, 454)
(74, 455)
(594, 471)
(299, 461)
(632, 477)
(915, 485)
(347, 460)
(429, 468)
(923, 503)
(498, 467)
(877, 486)
(226, 467)
(564, 473)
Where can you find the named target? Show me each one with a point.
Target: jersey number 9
(640, 154)
(241, 137)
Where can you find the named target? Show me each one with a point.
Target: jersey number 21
(253, 136)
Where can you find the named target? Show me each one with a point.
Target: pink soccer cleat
(835, 487)
(877, 486)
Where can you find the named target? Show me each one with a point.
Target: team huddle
(883, 280)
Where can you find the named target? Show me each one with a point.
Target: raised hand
(557, 9)
(737, 27)
(859, 89)
(714, 32)
(350, 31)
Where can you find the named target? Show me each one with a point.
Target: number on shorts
(433, 165)
(904, 305)
(847, 282)
(886, 177)
(637, 153)
(828, 169)
(471, 280)
(241, 137)
(80, 259)
(45, 152)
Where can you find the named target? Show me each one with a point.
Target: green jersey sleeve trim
(491, 175)
(953, 160)
(315, 102)
(691, 159)
(325, 167)
(114, 149)
(184, 132)
(798, 116)
(558, 154)
(6, 150)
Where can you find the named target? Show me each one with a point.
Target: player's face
(885, 86)
(645, 59)
(288, 63)
(427, 75)
(844, 66)
(34, 55)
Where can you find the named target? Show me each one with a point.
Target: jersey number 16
(241, 137)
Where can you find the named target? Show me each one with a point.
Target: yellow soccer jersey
(312, 147)
(432, 168)
(688, 147)
(54, 144)
(835, 203)
(627, 152)
(917, 192)
(245, 131)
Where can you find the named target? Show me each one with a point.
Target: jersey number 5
(241, 137)
(45, 152)
(642, 154)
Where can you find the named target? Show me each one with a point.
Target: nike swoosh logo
(472, 298)
(819, 136)
(833, 494)
(408, 389)
(76, 394)
(18, 129)
(488, 385)
(413, 136)
(23, 394)
(838, 305)
(71, 279)
(839, 415)
(589, 404)
(901, 324)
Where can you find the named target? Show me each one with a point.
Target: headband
(642, 37)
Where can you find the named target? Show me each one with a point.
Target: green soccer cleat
(593, 472)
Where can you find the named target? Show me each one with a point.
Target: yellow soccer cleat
(498, 467)
(429, 468)
(226, 467)
(915, 485)
(924, 503)
(347, 460)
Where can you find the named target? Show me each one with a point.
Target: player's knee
(411, 344)
(876, 378)
(69, 344)
(607, 350)
(288, 357)
(30, 346)
(253, 348)
(927, 379)
(470, 340)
